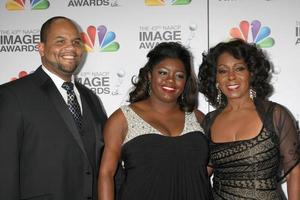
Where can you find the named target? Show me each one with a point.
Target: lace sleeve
(206, 124)
(289, 143)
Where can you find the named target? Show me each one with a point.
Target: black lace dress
(255, 168)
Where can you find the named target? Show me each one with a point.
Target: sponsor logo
(19, 40)
(98, 82)
(21, 74)
(104, 83)
(166, 2)
(150, 36)
(20, 4)
(89, 3)
(253, 32)
(117, 89)
(105, 39)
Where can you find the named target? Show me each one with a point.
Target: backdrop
(119, 33)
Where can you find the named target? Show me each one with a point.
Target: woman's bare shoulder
(117, 119)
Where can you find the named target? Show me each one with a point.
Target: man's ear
(41, 47)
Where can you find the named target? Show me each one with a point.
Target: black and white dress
(254, 169)
(159, 167)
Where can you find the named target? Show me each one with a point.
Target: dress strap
(191, 123)
(136, 126)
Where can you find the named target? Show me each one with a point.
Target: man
(51, 135)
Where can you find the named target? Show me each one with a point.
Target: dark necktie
(73, 103)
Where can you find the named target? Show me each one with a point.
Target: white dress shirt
(58, 83)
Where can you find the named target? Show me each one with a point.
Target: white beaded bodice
(137, 126)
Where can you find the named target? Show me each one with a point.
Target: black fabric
(168, 168)
(42, 153)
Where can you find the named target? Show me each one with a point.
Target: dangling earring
(149, 87)
(252, 93)
(182, 98)
(219, 96)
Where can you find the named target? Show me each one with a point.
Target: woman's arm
(114, 134)
(200, 117)
(293, 183)
(286, 128)
(210, 171)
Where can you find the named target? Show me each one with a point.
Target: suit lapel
(90, 108)
(55, 97)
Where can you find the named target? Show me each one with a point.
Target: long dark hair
(257, 63)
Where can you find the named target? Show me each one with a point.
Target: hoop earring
(252, 93)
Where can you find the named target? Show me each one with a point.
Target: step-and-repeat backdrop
(118, 34)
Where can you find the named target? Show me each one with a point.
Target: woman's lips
(168, 89)
(233, 87)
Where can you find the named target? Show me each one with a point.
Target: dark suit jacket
(42, 154)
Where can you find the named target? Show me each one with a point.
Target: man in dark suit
(50, 135)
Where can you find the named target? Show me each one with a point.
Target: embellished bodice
(137, 126)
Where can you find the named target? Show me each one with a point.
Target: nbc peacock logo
(20, 4)
(21, 74)
(166, 2)
(260, 35)
(105, 38)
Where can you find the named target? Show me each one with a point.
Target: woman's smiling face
(233, 76)
(168, 80)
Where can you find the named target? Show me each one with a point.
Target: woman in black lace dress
(254, 143)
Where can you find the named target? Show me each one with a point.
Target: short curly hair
(188, 100)
(257, 63)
